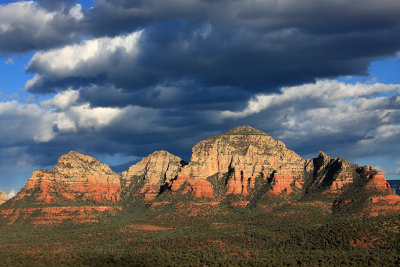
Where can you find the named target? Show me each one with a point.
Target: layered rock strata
(76, 177)
(76, 180)
(238, 157)
(243, 162)
(333, 174)
(149, 176)
(329, 173)
(375, 179)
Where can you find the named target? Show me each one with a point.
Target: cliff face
(76, 177)
(242, 162)
(329, 173)
(3, 197)
(149, 176)
(76, 180)
(238, 157)
(333, 174)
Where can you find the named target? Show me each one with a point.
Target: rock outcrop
(149, 176)
(238, 157)
(242, 162)
(328, 173)
(76, 180)
(375, 179)
(333, 174)
(3, 197)
(76, 177)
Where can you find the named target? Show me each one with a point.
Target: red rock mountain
(147, 177)
(243, 164)
(237, 158)
(77, 180)
(75, 177)
(3, 197)
(334, 174)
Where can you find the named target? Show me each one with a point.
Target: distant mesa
(242, 167)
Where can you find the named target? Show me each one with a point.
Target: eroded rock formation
(76, 177)
(328, 173)
(242, 162)
(375, 179)
(76, 180)
(151, 174)
(333, 174)
(238, 157)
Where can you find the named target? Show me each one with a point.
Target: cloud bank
(125, 78)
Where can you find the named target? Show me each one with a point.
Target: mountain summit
(237, 158)
(243, 166)
(244, 130)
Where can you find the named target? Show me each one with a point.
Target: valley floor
(210, 236)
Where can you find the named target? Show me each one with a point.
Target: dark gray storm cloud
(323, 17)
(132, 77)
(185, 95)
(27, 26)
(256, 46)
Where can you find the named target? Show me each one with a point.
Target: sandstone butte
(76, 180)
(242, 163)
(151, 174)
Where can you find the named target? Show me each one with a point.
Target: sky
(119, 79)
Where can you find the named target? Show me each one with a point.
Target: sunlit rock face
(240, 156)
(241, 167)
(75, 177)
(3, 197)
(77, 180)
(149, 176)
(375, 179)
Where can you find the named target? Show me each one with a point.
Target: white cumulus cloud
(353, 120)
(24, 122)
(327, 92)
(25, 26)
(62, 100)
(90, 58)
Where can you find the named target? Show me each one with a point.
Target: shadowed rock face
(150, 175)
(239, 156)
(329, 173)
(333, 174)
(3, 197)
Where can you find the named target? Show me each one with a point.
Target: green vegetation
(171, 235)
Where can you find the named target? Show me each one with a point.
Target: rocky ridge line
(151, 174)
(54, 195)
(244, 163)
